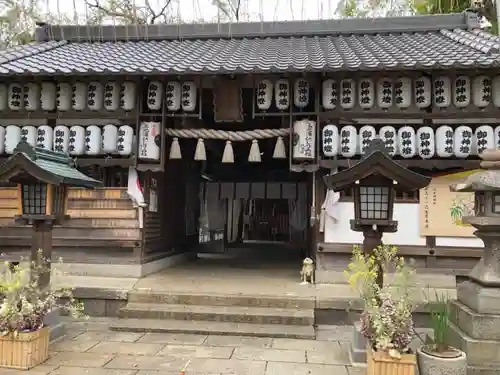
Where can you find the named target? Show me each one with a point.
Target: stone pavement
(90, 349)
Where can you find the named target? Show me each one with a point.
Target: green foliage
(439, 311)
(23, 304)
(386, 320)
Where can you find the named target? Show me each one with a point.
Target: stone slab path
(90, 349)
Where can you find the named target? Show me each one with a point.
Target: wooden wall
(103, 224)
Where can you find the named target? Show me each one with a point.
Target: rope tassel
(200, 153)
(279, 149)
(175, 149)
(228, 155)
(254, 155)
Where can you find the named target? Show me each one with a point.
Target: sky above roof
(193, 10)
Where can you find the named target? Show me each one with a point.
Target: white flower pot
(429, 364)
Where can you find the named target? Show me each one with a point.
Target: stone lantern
(476, 313)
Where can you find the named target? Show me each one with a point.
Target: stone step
(474, 370)
(480, 353)
(475, 325)
(213, 328)
(234, 314)
(177, 298)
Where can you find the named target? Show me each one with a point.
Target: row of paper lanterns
(95, 96)
(74, 140)
(426, 142)
(50, 96)
(384, 93)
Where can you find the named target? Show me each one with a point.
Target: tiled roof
(346, 51)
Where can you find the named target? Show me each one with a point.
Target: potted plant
(386, 319)
(436, 356)
(24, 339)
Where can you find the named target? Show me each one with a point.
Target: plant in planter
(436, 356)
(386, 319)
(24, 339)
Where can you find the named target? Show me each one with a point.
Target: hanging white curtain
(233, 223)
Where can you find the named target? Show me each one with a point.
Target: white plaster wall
(407, 215)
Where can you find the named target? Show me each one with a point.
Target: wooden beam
(409, 163)
(410, 250)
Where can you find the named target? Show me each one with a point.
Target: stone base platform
(476, 327)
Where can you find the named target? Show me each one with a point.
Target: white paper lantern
(282, 94)
(16, 99)
(61, 139)
(497, 137)
(385, 93)
(2, 140)
(64, 94)
(367, 134)
(329, 94)
(111, 96)
(31, 96)
(348, 141)
(422, 92)
(366, 91)
(301, 93)
(330, 140)
(174, 94)
(93, 140)
(442, 91)
(148, 142)
(388, 135)
(29, 134)
(109, 139)
(484, 137)
(402, 92)
(264, 94)
(44, 137)
(76, 140)
(155, 90)
(407, 142)
(4, 97)
(125, 140)
(426, 145)
(347, 94)
(127, 96)
(79, 96)
(95, 96)
(48, 96)
(189, 96)
(304, 134)
(462, 141)
(12, 138)
(444, 141)
(481, 91)
(461, 91)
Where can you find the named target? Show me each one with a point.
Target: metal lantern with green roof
(43, 178)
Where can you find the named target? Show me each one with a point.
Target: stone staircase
(240, 315)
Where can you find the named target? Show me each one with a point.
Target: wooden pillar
(41, 250)
(371, 240)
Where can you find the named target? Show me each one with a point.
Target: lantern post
(374, 180)
(43, 178)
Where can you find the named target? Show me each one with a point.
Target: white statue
(307, 272)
